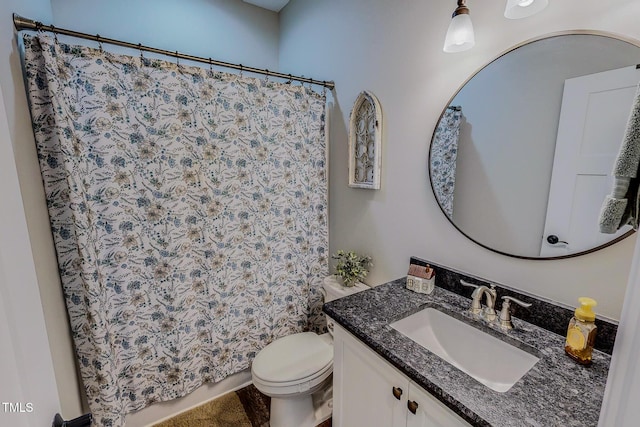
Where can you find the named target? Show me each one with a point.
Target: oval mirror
(521, 157)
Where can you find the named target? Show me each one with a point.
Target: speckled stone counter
(555, 392)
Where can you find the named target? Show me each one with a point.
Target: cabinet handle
(397, 392)
(412, 405)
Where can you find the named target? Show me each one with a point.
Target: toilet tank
(333, 289)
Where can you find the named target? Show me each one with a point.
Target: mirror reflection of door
(593, 117)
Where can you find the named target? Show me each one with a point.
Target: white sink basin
(491, 361)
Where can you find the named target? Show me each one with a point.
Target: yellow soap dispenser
(581, 333)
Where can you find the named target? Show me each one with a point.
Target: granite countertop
(556, 392)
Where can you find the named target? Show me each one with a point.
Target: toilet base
(323, 404)
(308, 410)
(292, 412)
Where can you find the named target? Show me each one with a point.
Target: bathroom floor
(246, 407)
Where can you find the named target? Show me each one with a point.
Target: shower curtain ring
(211, 65)
(241, 70)
(141, 55)
(290, 79)
(266, 75)
(99, 42)
(55, 35)
(177, 59)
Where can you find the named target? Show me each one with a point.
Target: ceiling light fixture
(517, 9)
(460, 35)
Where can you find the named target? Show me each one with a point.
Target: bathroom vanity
(384, 378)
(369, 391)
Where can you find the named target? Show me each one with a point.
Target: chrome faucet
(489, 312)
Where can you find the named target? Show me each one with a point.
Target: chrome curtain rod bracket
(22, 23)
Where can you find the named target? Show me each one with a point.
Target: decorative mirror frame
(362, 142)
(434, 191)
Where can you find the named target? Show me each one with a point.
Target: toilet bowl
(296, 371)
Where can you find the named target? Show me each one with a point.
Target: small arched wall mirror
(521, 157)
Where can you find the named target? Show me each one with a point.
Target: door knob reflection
(553, 240)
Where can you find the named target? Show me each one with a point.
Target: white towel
(621, 207)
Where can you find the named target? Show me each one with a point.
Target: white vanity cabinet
(430, 412)
(370, 392)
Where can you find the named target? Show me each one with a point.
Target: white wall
(507, 141)
(620, 407)
(26, 367)
(394, 49)
(226, 30)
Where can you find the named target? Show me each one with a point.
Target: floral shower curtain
(444, 152)
(188, 209)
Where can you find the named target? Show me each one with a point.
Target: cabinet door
(430, 412)
(363, 386)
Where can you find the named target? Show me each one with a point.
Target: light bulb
(517, 9)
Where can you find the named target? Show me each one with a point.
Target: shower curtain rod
(22, 23)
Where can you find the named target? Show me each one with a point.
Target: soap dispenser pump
(581, 333)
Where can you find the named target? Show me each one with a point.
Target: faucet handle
(505, 312)
(508, 299)
(470, 285)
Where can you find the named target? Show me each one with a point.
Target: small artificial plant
(351, 267)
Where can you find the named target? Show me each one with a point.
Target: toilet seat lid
(292, 358)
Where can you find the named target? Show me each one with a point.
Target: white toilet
(295, 371)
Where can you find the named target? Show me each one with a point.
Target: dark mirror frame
(543, 37)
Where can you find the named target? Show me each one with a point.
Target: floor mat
(225, 411)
